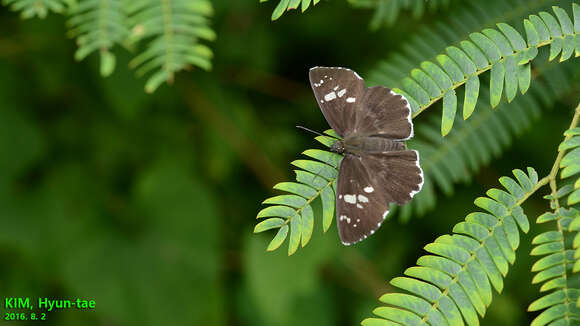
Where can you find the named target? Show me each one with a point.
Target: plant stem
(551, 178)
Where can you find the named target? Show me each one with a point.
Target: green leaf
(491, 206)
(489, 48)
(278, 239)
(281, 211)
(564, 19)
(496, 83)
(296, 188)
(451, 68)
(471, 95)
(547, 237)
(449, 110)
(295, 234)
(531, 33)
(317, 168)
(330, 158)
(500, 41)
(520, 218)
(572, 132)
(467, 66)
(416, 91)
(327, 198)
(541, 28)
(516, 40)
(378, 322)
(569, 143)
(280, 8)
(438, 75)
(475, 54)
(574, 198)
(524, 77)
(271, 223)
(288, 200)
(547, 248)
(555, 32)
(400, 316)
(513, 187)
(570, 170)
(546, 217)
(307, 224)
(523, 180)
(426, 82)
(511, 78)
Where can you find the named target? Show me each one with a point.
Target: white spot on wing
(363, 199)
(351, 199)
(384, 215)
(335, 88)
(350, 100)
(342, 92)
(330, 96)
(413, 192)
(359, 206)
(369, 189)
(339, 196)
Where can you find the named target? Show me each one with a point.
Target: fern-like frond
(502, 51)
(99, 25)
(173, 29)
(292, 213)
(286, 5)
(387, 11)
(38, 8)
(452, 285)
(559, 306)
(479, 139)
(555, 269)
(570, 163)
(432, 39)
(574, 227)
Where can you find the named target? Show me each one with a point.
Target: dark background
(146, 203)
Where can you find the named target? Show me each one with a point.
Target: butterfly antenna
(320, 134)
(312, 131)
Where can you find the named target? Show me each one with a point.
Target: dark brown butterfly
(377, 169)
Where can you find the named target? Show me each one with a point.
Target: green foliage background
(146, 203)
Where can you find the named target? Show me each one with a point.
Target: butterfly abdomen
(366, 145)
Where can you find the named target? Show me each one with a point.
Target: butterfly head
(337, 147)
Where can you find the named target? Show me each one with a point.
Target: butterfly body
(361, 145)
(377, 169)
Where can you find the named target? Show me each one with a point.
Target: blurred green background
(146, 203)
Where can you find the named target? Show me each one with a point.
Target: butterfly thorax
(358, 145)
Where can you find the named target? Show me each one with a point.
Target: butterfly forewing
(338, 92)
(366, 186)
(384, 113)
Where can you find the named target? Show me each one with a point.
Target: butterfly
(377, 168)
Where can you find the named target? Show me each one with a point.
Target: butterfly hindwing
(366, 186)
(358, 202)
(384, 113)
(338, 92)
